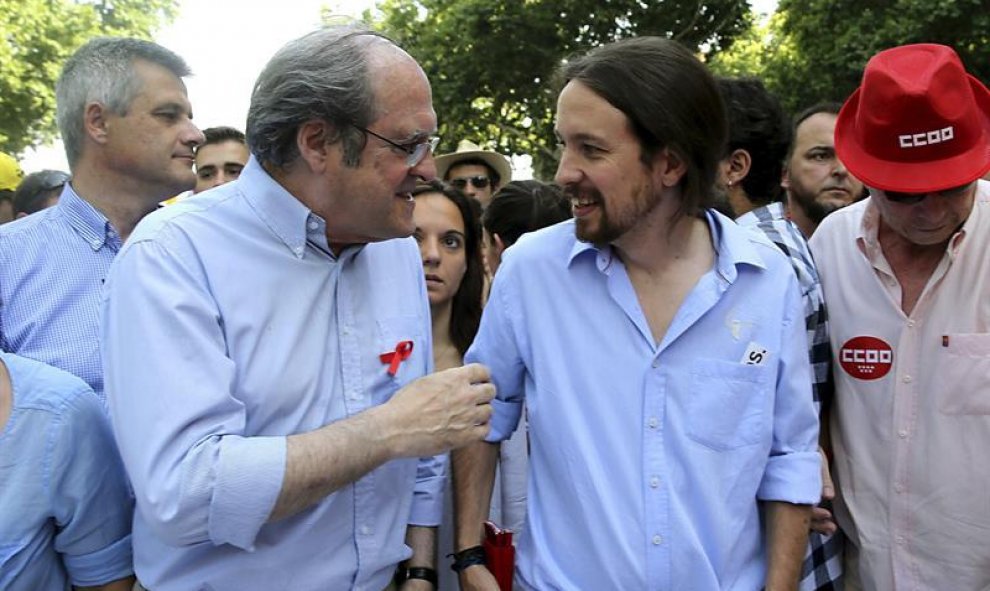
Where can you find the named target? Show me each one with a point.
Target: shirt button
(899, 487)
(653, 422)
(910, 323)
(907, 379)
(365, 530)
(902, 433)
(654, 482)
(313, 225)
(657, 540)
(901, 541)
(656, 363)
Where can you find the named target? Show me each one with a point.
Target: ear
(785, 178)
(311, 139)
(739, 163)
(20, 215)
(96, 123)
(668, 168)
(499, 245)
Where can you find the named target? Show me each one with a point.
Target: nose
(426, 169)
(429, 249)
(839, 169)
(566, 174)
(192, 136)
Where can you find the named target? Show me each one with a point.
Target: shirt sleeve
(170, 385)
(793, 472)
(497, 347)
(431, 471)
(91, 503)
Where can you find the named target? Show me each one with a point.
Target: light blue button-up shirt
(65, 509)
(52, 267)
(228, 326)
(648, 459)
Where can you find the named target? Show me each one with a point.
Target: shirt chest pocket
(728, 405)
(399, 354)
(964, 364)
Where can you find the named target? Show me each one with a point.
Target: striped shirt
(822, 568)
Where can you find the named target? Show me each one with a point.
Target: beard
(721, 202)
(611, 223)
(814, 209)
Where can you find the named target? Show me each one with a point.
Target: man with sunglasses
(475, 172)
(267, 343)
(907, 283)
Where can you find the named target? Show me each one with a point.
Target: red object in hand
(500, 555)
(403, 349)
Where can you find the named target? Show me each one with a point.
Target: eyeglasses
(415, 151)
(478, 182)
(912, 198)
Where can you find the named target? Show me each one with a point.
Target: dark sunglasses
(912, 198)
(478, 182)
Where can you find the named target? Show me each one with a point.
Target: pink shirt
(911, 424)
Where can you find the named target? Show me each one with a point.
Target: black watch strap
(423, 573)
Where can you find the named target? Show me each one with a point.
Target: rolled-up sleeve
(179, 424)
(91, 503)
(497, 347)
(427, 503)
(793, 471)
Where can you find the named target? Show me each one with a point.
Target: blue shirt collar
(732, 248)
(286, 216)
(87, 221)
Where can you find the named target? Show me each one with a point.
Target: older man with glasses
(907, 284)
(267, 341)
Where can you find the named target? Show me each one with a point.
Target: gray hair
(323, 75)
(102, 71)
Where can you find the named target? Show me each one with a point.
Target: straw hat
(467, 150)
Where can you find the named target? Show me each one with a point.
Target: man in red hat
(906, 278)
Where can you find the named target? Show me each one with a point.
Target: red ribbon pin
(403, 349)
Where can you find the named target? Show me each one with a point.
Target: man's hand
(477, 578)
(435, 413)
(438, 412)
(822, 520)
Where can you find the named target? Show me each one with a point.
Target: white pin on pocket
(756, 354)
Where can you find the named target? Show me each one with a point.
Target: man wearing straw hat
(478, 173)
(906, 279)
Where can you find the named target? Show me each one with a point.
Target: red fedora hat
(917, 123)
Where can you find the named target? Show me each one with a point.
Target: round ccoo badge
(866, 358)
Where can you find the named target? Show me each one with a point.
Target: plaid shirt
(822, 568)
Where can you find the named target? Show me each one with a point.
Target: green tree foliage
(36, 36)
(815, 50)
(491, 62)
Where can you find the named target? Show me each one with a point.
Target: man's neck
(656, 244)
(912, 264)
(123, 201)
(797, 215)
